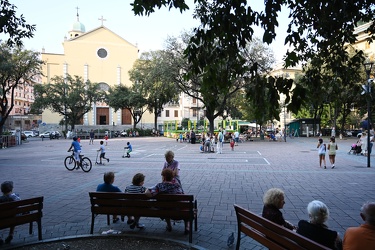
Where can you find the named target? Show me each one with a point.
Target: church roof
(99, 28)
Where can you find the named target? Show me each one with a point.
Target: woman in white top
(332, 147)
(363, 141)
(322, 153)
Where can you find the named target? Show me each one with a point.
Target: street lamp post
(197, 113)
(284, 123)
(368, 67)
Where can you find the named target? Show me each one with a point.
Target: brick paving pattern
(217, 181)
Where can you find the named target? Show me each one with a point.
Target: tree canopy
(151, 76)
(12, 25)
(219, 81)
(123, 97)
(316, 29)
(70, 97)
(323, 27)
(17, 66)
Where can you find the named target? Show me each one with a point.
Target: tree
(15, 27)
(315, 26)
(151, 76)
(219, 81)
(70, 97)
(123, 97)
(17, 66)
(331, 92)
(227, 74)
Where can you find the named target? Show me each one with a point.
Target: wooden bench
(173, 206)
(21, 212)
(270, 234)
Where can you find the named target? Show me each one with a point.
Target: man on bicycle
(76, 150)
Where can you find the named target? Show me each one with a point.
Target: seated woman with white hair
(316, 229)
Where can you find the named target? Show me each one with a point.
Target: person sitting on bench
(8, 195)
(273, 201)
(167, 186)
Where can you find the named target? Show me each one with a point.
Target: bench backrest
(178, 206)
(20, 212)
(270, 234)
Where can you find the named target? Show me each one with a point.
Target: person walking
(220, 138)
(92, 135)
(102, 152)
(236, 137)
(332, 147)
(322, 153)
(106, 139)
(232, 144)
(192, 137)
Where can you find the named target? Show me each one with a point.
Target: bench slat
(258, 236)
(143, 203)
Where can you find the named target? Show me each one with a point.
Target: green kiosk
(304, 127)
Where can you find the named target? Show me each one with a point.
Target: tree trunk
(156, 121)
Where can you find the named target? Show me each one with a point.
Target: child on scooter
(129, 148)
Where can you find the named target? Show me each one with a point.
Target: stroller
(355, 149)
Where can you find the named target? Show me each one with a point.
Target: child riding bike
(76, 150)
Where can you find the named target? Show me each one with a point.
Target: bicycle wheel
(70, 163)
(86, 164)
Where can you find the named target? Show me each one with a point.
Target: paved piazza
(217, 181)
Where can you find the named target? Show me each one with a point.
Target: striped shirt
(133, 189)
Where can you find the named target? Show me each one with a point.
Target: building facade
(19, 117)
(100, 56)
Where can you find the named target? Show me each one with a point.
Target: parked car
(51, 135)
(29, 133)
(124, 133)
(349, 133)
(356, 132)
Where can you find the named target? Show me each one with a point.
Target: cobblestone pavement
(217, 180)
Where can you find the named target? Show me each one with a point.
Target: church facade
(100, 56)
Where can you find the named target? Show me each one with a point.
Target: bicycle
(85, 163)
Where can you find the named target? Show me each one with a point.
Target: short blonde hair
(273, 196)
(318, 212)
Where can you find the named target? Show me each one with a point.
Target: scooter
(96, 160)
(126, 154)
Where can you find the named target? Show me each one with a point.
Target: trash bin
(262, 136)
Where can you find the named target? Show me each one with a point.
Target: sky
(54, 19)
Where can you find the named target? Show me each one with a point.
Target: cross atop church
(102, 19)
(77, 13)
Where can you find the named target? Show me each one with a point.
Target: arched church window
(103, 86)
